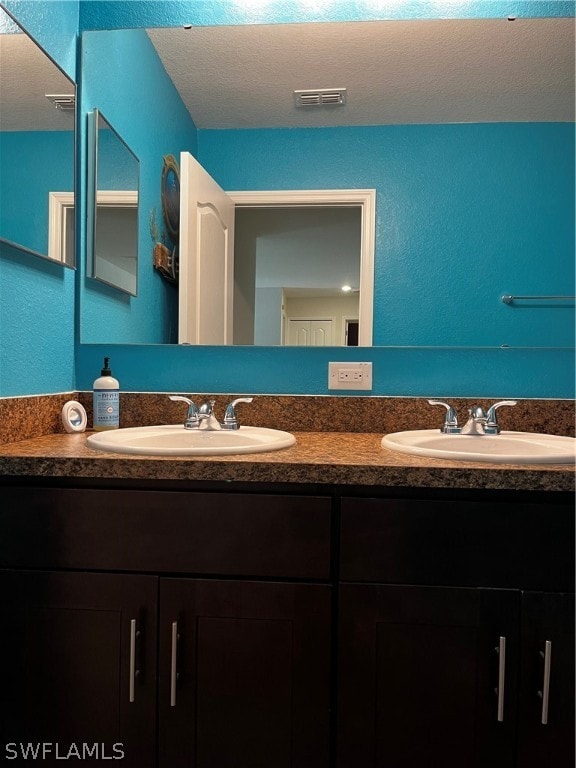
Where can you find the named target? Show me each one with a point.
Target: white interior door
(310, 333)
(206, 282)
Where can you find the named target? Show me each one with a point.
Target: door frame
(365, 199)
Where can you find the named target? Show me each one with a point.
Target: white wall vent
(320, 97)
(64, 101)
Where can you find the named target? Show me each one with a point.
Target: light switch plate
(353, 376)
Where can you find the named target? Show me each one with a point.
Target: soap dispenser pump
(106, 400)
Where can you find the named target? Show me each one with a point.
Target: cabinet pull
(545, 692)
(501, 651)
(173, 663)
(132, 660)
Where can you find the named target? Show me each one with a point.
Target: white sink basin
(505, 448)
(174, 440)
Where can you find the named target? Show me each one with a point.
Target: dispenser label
(106, 408)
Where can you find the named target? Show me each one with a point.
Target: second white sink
(505, 448)
(174, 440)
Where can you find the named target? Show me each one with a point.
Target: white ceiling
(435, 71)
(432, 71)
(26, 76)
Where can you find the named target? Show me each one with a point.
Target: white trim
(345, 320)
(118, 198)
(58, 205)
(365, 199)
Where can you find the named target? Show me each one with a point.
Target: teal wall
(34, 163)
(36, 325)
(111, 14)
(37, 297)
(36, 350)
(465, 213)
(421, 372)
(145, 109)
(53, 24)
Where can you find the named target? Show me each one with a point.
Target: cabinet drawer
(166, 531)
(482, 544)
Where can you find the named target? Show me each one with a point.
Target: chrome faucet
(492, 427)
(479, 423)
(450, 426)
(192, 415)
(208, 420)
(476, 422)
(203, 418)
(230, 418)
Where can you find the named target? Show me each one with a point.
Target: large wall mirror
(465, 129)
(37, 147)
(112, 227)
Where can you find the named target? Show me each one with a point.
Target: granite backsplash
(22, 418)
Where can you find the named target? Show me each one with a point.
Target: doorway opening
(304, 267)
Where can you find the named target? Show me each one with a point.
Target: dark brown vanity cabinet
(79, 667)
(476, 672)
(206, 629)
(546, 701)
(244, 674)
(215, 652)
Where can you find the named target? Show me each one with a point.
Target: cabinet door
(422, 679)
(244, 674)
(79, 656)
(546, 725)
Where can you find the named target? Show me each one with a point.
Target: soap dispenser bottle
(106, 400)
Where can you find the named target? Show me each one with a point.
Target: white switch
(350, 376)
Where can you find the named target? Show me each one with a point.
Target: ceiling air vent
(64, 101)
(320, 97)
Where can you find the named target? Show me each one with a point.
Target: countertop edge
(317, 458)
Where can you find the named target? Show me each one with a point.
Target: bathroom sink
(505, 448)
(174, 440)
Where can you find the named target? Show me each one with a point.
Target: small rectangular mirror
(112, 205)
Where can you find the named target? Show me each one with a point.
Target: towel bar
(508, 299)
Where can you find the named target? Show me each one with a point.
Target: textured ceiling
(434, 71)
(440, 71)
(26, 76)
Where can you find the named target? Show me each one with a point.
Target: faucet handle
(230, 419)
(450, 426)
(192, 419)
(492, 427)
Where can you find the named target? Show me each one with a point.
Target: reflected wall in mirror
(465, 128)
(123, 77)
(112, 221)
(37, 146)
(297, 276)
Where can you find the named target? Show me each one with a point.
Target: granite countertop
(333, 458)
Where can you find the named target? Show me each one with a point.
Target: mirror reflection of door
(291, 265)
(310, 333)
(254, 265)
(206, 280)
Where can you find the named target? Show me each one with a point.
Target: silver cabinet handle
(501, 651)
(545, 692)
(132, 659)
(173, 664)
